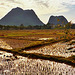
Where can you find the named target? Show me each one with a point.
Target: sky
(43, 8)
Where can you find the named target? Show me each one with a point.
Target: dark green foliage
(22, 27)
(47, 26)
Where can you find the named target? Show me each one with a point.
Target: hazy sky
(43, 8)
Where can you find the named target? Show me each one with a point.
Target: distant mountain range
(18, 16)
(57, 20)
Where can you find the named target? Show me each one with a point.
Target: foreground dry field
(37, 52)
(9, 65)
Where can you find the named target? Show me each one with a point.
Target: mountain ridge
(18, 16)
(56, 20)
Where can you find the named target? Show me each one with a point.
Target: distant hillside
(18, 16)
(57, 20)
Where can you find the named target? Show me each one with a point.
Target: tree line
(47, 26)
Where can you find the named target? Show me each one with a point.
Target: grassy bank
(44, 43)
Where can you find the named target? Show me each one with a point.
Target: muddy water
(9, 65)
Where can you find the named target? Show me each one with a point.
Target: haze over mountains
(18, 16)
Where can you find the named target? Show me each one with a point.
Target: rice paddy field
(37, 52)
(22, 38)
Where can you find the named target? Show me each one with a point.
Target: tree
(68, 25)
(1, 27)
(21, 26)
